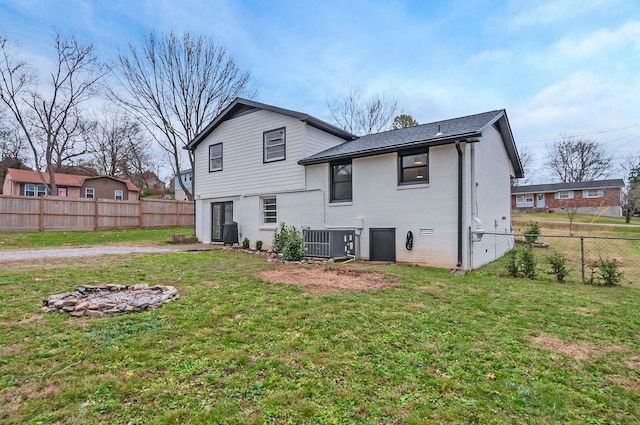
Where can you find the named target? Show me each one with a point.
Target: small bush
(280, 237)
(609, 272)
(289, 241)
(259, 245)
(512, 263)
(558, 263)
(593, 267)
(532, 232)
(245, 243)
(521, 263)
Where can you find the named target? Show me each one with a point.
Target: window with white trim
(274, 145)
(524, 200)
(564, 194)
(32, 189)
(215, 157)
(593, 193)
(118, 195)
(269, 210)
(89, 192)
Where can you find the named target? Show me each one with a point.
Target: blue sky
(558, 67)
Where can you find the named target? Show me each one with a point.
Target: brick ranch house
(601, 197)
(28, 183)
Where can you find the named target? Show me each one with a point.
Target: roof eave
(510, 144)
(380, 151)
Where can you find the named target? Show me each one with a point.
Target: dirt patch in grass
(319, 280)
(574, 350)
(626, 382)
(585, 311)
(633, 363)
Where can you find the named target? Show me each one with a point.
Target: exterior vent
(329, 243)
(426, 232)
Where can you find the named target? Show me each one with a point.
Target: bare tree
(403, 121)
(574, 160)
(176, 86)
(11, 144)
(118, 146)
(51, 119)
(571, 208)
(631, 197)
(359, 115)
(526, 160)
(11, 150)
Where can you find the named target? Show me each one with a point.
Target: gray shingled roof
(432, 134)
(241, 106)
(554, 187)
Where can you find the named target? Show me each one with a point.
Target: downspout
(459, 203)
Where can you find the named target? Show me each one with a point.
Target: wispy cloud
(601, 41)
(545, 12)
(581, 102)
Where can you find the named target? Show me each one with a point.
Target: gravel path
(84, 252)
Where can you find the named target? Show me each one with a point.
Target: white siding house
(430, 185)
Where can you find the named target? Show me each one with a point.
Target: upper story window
(274, 145)
(413, 167)
(269, 210)
(341, 182)
(593, 193)
(89, 193)
(118, 195)
(565, 194)
(215, 157)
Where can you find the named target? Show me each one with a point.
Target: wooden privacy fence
(44, 213)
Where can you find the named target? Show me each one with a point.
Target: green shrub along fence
(580, 259)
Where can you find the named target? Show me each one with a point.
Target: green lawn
(558, 224)
(67, 239)
(603, 241)
(578, 218)
(234, 349)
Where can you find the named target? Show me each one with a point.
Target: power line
(585, 133)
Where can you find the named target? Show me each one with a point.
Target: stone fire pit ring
(109, 300)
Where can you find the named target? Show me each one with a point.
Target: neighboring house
(150, 183)
(429, 185)
(186, 178)
(28, 183)
(601, 197)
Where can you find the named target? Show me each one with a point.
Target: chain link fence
(583, 254)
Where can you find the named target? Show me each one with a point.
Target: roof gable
(554, 187)
(240, 107)
(130, 186)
